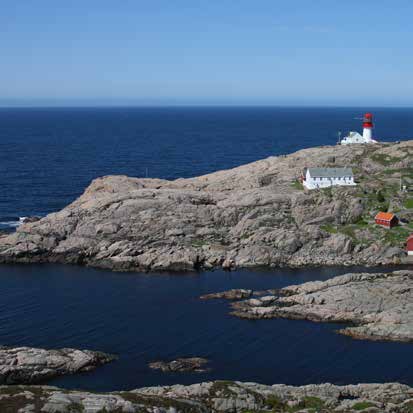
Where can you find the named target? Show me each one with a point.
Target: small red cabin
(386, 219)
(409, 246)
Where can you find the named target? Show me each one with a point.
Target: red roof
(385, 216)
(368, 115)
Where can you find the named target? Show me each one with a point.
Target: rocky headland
(28, 365)
(219, 396)
(254, 215)
(377, 306)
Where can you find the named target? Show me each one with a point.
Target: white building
(367, 137)
(325, 177)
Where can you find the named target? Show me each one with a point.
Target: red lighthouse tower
(368, 127)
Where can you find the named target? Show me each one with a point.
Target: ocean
(49, 156)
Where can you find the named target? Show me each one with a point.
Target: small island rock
(195, 364)
(27, 365)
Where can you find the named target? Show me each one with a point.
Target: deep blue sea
(48, 157)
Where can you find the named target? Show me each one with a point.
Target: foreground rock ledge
(253, 215)
(27, 365)
(216, 396)
(379, 306)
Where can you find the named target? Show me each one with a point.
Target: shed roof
(385, 216)
(330, 172)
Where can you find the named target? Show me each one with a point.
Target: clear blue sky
(295, 52)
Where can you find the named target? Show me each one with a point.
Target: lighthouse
(368, 127)
(367, 137)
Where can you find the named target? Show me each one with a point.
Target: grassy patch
(403, 172)
(384, 159)
(408, 407)
(274, 403)
(362, 406)
(329, 228)
(408, 203)
(349, 231)
(297, 185)
(311, 403)
(361, 223)
(197, 243)
(75, 408)
(396, 236)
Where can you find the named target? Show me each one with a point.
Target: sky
(210, 52)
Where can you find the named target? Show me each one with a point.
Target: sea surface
(49, 156)
(147, 317)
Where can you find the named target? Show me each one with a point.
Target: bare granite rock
(27, 365)
(379, 306)
(254, 215)
(195, 364)
(218, 396)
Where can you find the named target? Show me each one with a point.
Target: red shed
(386, 219)
(409, 246)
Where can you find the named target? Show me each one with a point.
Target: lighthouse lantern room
(367, 137)
(368, 127)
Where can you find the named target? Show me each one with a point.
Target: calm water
(48, 157)
(143, 318)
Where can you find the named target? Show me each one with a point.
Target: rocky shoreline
(378, 306)
(254, 215)
(28, 365)
(219, 396)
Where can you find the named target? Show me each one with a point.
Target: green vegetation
(380, 197)
(329, 228)
(297, 185)
(361, 222)
(328, 191)
(384, 159)
(197, 243)
(396, 236)
(408, 203)
(362, 406)
(75, 408)
(311, 403)
(408, 407)
(274, 402)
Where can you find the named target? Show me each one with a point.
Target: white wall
(313, 183)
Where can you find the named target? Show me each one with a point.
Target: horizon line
(195, 106)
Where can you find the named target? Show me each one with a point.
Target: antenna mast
(338, 137)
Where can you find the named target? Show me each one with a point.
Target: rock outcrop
(236, 294)
(378, 306)
(225, 397)
(254, 215)
(195, 364)
(27, 365)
